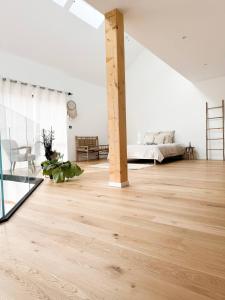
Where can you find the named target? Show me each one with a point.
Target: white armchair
(18, 154)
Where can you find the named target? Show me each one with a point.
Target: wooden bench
(103, 151)
(86, 145)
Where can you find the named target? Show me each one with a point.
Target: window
(87, 13)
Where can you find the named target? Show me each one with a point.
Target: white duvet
(157, 152)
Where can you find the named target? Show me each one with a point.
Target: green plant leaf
(60, 170)
(77, 170)
(58, 175)
(47, 172)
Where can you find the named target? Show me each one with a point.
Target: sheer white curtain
(41, 108)
(49, 110)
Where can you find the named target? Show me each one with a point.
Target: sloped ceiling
(46, 33)
(186, 34)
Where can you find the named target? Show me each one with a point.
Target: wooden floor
(161, 238)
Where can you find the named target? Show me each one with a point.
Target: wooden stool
(189, 153)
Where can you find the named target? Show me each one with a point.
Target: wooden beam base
(119, 184)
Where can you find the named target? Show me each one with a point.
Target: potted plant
(54, 166)
(47, 140)
(59, 171)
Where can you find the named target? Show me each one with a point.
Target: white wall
(92, 114)
(90, 99)
(159, 99)
(213, 90)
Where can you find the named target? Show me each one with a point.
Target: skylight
(87, 13)
(60, 2)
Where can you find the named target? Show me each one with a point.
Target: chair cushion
(22, 157)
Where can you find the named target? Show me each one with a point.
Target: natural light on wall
(60, 2)
(87, 13)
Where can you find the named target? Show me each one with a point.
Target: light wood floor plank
(163, 238)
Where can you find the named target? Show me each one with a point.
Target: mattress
(157, 152)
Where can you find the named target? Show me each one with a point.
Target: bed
(156, 152)
(156, 146)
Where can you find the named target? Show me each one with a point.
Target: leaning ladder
(218, 128)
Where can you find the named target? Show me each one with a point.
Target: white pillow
(149, 138)
(159, 139)
(168, 139)
(171, 138)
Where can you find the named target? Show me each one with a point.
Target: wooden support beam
(115, 61)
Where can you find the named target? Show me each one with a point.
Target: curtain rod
(36, 85)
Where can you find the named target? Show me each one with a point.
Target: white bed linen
(157, 152)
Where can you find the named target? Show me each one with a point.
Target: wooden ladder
(218, 128)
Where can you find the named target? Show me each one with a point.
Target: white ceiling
(160, 25)
(44, 32)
